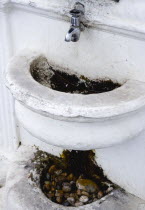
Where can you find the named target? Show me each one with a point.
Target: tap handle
(75, 13)
(78, 10)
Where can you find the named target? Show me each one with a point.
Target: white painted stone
(8, 134)
(124, 164)
(4, 167)
(106, 115)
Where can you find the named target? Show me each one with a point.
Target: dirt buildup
(74, 179)
(63, 81)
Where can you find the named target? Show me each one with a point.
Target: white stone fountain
(112, 123)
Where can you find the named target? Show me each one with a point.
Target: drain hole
(52, 77)
(74, 179)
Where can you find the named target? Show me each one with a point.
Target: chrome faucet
(76, 23)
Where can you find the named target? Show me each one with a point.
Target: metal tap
(76, 23)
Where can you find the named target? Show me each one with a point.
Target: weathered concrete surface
(20, 195)
(4, 166)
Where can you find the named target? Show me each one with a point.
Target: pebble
(66, 203)
(59, 193)
(58, 172)
(100, 194)
(47, 185)
(52, 177)
(50, 194)
(52, 189)
(84, 199)
(66, 188)
(64, 174)
(52, 169)
(87, 185)
(58, 187)
(53, 183)
(85, 193)
(109, 189)
(94, 196)
(72, 182)
(70, 177)
(66, 195)
(66, 184)
(60, 178)
(79, 192)
(59, 199)
(74, 195)
(96, 177)
(77, 204)
(48, 176)
(71, 200)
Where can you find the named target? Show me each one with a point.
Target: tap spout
(73, 34)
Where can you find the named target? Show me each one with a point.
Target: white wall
(8, 136)
(97, 54)
(124, 164)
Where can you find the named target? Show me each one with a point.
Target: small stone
(84, 199)
(64, 174)
(47, 182)
(53, 183)
(66, 203)
(71, 200)
(87, 185)
(59, 193)
(72, 182)
(85, 193)
(81, 177)
(100, 194)
(70, 177)
(96, 177)
(95, 199)
(60, 178)
(73, 195)
(48, 176)
(52, 177)
(66, 195)
(79, 192)
(58, 187)
(109, 189)
(94, 195)
(52, 189)
(50, 194)
(77, 204)
(47, 185)
(90, 201)
(52, 169)
(66, 188)
(58, 172)
(66, 184)
(59, 199)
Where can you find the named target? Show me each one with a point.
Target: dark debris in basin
(62, 81)
(73, 179)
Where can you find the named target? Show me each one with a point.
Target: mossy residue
(63, 81)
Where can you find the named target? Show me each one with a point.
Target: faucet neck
(75, 21)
